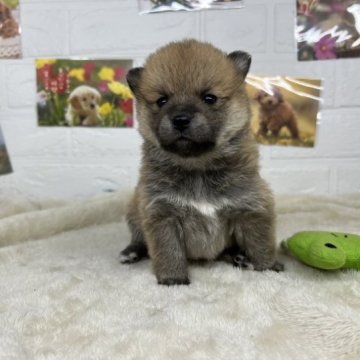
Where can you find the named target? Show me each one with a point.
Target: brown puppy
(275, 114)
(200, 194)
(8, 25)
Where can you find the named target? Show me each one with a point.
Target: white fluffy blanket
(64, 295)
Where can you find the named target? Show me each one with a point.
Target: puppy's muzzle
(182, 121)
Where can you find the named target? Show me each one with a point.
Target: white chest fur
(204, 207)
(206, 237)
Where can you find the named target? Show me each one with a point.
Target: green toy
(325, 250)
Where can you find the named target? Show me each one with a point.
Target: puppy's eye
(84, 99)
(209, 99)
(161, 101)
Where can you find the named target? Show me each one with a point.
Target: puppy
(8, 25)
(83, 107)
(275, 114)
(200, 192)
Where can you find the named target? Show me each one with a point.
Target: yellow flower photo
(107, 73)
(105, 109)
(79, 74)
(83, 93)
(120, 89)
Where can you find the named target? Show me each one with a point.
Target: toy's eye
(209, 99)
(161, 101)
(331, 246)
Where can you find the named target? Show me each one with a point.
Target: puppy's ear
(133, 78)
(242, 61)
(259, 95)
(98, 97)
(7, 12)
(280, 96)
(75, 102)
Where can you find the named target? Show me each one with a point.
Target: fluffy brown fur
(8, 25)
(199, 195)
(275, 114)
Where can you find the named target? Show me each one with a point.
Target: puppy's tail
(48, 220)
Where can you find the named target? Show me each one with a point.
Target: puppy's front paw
(129, 258)
(242, 262)
(171, 281)
(278, 267)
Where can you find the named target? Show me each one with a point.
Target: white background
(62, 162)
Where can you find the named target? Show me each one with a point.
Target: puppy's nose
(181, 121)
(92, 106)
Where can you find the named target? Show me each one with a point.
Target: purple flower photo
(328, 29)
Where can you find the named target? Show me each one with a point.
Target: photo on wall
(153, 6)
(328, 29)
(284, 109)
(84, 93)
(5, 165)
(10, 42)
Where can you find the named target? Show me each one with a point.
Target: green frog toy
(325, 250)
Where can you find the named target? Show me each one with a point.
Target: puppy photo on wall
(83, 93)
(83, 106)
(10, 45)
(199, 195)
(284, 109)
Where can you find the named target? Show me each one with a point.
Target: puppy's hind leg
(135, 251)
(235, 256)
(254, 231)
(293, 128)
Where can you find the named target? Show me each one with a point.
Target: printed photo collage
(94, 92)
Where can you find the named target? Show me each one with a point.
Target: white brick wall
(56, 162)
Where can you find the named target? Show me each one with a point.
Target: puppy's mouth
(186, 147)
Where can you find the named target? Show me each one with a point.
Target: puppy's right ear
(242, 61)
(7, 12)
(133, 78)
(75, 102)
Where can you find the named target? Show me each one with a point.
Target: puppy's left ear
(242, 61)
(279, 96)
(133, 78)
